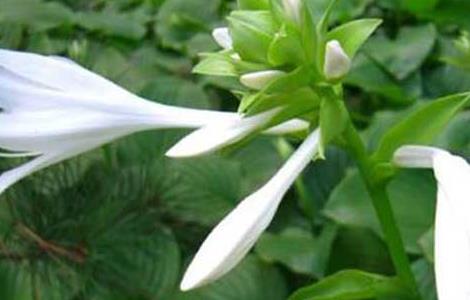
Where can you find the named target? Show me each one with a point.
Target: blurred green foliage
(122, 222)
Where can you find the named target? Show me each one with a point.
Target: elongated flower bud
(235, 235)
(293, 9)
(219, 135)
(258, 80)
(337, 62)
(222, 36)
(452, 225)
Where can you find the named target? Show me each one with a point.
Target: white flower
(218, 135)
(54, 109)
(235, 235)
(452, 225)
(293, 9)
(337, 62)
(258, 80)
(222, 37)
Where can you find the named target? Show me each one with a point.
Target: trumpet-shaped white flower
(222, 37)
(218, 135)
(293, 9)
(337, 63)
(54, 109)
(258, 80)
(235, 235)
(452, 224)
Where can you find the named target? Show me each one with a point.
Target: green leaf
(424, 274)
(253, 4)
(202, 191)
(252, 279)
(252, 33)
(369, 76)
(422, 126)
(37, 15)
(298, 249)
(353, 34)
(112, 24)
(351, 285)
(178, 21)
(412, 194)
(403, 55)
(419, 6)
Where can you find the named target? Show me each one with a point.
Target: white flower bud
(337, 62)
(258, 80)
(293, 9)
(222, 38)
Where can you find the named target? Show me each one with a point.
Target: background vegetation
(122, 222)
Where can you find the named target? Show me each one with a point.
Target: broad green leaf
(252, 33)
(424, 274)
(204, 190)
(446, 80)
(15, 282)
(369, 76)
(178, 21)
(293, 247)
(419, 6)
(412, 195)
(112, 24)
(359, 248)
(253, 4)
(351, 285)
(422, 126)
(456, 137)
(252, 279)
(403, 55)
(40, 16)
(353, 34)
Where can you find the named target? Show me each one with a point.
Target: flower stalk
(377, 190)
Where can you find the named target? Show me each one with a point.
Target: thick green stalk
(378, 193)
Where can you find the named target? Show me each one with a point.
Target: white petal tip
(222, 38)
(258, 80)
(180, 151)
(337, 62)
(411, 156)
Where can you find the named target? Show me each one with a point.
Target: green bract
(278, 48)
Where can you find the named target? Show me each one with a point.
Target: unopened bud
(222, 38)
(258, 80)
(337, 62)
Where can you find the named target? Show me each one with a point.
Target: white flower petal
(216, 136)
(258, 80)
(222, 37)
(453, 174)
(452, 252)
(337, 62)
(415, 156)
(11, 177)
(232, 239)
(290, 126)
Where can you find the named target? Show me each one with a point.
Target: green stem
(378, 193)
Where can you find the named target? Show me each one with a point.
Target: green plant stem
(378, 193)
